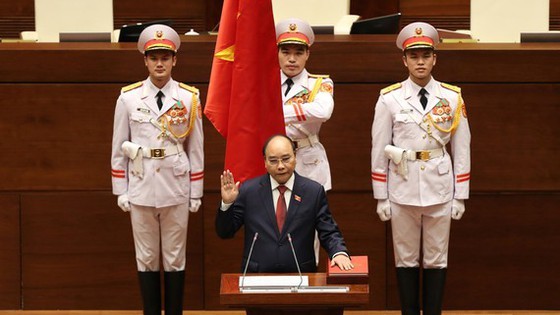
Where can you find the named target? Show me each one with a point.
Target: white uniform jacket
(308, 104)
(167, 181)
(401, 121)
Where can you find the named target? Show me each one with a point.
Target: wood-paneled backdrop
(66, 245)
(203, 15)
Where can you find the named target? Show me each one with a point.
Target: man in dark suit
(261, 203)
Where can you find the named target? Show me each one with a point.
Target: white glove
(123, 203)
(194, 205)
(457, 209)
(384, 209)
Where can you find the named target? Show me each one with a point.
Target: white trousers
(421, 227)
(158, 230)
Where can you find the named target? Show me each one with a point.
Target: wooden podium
(292, 303)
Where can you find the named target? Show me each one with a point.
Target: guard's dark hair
(428, 48)
(154, 50)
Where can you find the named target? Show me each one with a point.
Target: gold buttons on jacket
(422, 167)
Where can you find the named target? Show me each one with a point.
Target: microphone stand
(313, 288)
(248, 259)
(295, 258)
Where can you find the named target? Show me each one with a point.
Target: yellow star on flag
(226, 54)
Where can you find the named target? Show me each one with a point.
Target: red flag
(244, 96)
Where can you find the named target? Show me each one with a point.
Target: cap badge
(159, 34)
(418, 31)
(293, 27)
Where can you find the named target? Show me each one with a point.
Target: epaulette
(189, 88)
(391, 88)
(131, 87)
(451, 87)
(318, 75)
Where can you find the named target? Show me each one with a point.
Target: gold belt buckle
(423, 155)
(158, 153)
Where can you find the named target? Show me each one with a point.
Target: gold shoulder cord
(456, 118)
(316, 88)
(194, 112)
(192, 117)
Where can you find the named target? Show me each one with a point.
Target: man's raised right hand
(229, 188)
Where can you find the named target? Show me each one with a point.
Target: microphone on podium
(281, 284)
(312, 289)
(249, 258)
(295, 258)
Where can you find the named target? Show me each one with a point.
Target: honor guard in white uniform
(158, 167)
(420, 168)
(308, 102)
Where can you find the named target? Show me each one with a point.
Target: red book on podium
(358, 275)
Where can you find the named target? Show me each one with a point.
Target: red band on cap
(160, 44)
(293, 37)
(418, 40)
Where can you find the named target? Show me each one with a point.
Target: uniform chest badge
(177, 120)
(441, 112)
(326, 87)
(300, 98)
(177, 113)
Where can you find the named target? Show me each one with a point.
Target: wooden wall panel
(435, 7)
(78, 253)
(17, 8)
(376, 59)
(61, 100)
(494, 249)
(554, 15)
(369, 9)
(184, 14)
(99, 62)
(172, 8)
(554, 8)
(514, 134)
(502, 249)
(512, 63)
(347, 136)
(220, 256)
(496, 158)
(67, 131)
(453, 8)
(57, 132)
(77, 250)
(449, 14)
(10, 277)
(204, 15)
(343, 57)
(17, 16)
(213, 13)
(365, 234)
(453, 14)
(500, 255)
